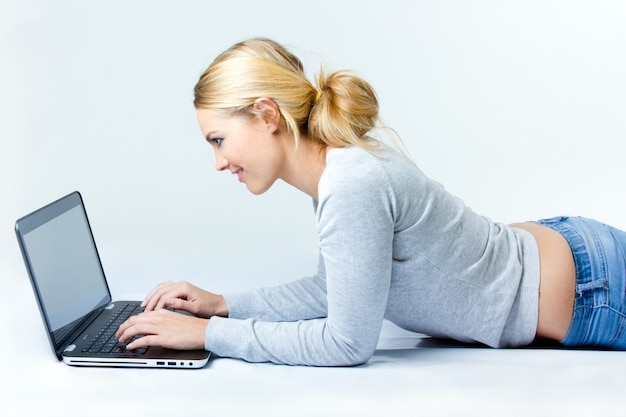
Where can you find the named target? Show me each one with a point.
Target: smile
(239, 174)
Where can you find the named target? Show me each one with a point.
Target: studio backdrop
(517, 107)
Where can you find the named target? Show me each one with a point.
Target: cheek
(241, 149)
(229, 152)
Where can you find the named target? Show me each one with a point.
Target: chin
(259, 189)
(257, 192)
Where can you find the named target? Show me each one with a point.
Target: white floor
(409, 375)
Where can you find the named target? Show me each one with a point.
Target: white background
(518, 107)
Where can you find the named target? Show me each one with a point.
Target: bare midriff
(557, 283)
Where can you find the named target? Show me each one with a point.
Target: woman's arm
(355, 227)
(298, 300)
(291, 324)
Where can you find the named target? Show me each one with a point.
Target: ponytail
(347, 109)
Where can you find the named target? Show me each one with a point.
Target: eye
(217, 141)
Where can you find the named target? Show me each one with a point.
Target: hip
(599, 307)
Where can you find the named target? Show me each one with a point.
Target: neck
(305, 165)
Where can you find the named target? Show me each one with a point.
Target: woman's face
(247, 146)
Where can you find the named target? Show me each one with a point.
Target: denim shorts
(599, 318)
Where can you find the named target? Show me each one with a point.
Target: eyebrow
(208, 136)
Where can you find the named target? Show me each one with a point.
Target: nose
(220, 162)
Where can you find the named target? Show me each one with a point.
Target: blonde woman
(393, 243)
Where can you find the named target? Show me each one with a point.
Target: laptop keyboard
(105, 341)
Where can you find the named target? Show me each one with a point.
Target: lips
(239, 174)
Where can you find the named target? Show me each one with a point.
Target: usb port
(161, 363)
(171, 363)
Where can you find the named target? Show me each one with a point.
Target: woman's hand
(184, 296)
(164, 328)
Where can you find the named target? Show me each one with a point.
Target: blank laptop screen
(66, 267)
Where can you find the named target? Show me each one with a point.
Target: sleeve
(297, 300)
(355, 227)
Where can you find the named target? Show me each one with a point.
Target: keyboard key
(104, 341)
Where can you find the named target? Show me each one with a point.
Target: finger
(145, 341)
(152, 299)
(127, 331)
(141, 327)
(165, 295)
(139, 324)
(177, 304)
(123, 327)
(149, 325)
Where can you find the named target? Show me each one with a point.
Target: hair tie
(317, 96)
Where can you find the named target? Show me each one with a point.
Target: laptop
(73, 295)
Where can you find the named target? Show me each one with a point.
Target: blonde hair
(340, 111)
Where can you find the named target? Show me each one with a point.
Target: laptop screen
(63, 263)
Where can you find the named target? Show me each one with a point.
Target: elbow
(353, 355)
(348, 348)
(358, 358)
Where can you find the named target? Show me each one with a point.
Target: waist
(557, 283)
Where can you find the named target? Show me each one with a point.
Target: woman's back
(453, 273)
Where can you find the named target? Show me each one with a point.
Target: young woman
(393, 243)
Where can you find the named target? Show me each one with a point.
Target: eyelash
(217, 141)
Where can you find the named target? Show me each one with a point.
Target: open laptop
(73, 295)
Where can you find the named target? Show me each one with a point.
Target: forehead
(213, 120)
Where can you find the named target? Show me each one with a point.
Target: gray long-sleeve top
(393, 245)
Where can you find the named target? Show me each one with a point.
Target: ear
(268, 112)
